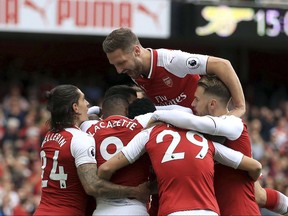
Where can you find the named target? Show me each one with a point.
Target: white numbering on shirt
(170, 153)
(60, 176)
(108, 141)
(203, 143)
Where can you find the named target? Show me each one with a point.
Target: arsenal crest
(168, 81)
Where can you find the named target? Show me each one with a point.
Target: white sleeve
(174, 107)
(94, 110)
(227, 156)
(87, 124)
(83, 148)
(182, 63)
(136, 147)
(230, 126)
(144, 119)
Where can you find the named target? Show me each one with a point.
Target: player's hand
(143, 192)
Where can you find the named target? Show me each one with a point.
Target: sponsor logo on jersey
(168, 81)
(91, 152)
(192, 63)
(162, 100)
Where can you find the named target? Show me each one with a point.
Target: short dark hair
(115, 104)
(125, 90)
(121, 38)
(140, 106)
(214, 86)
(60, 104)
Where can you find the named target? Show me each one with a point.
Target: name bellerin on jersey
(54, 137)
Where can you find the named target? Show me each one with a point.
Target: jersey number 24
(60, 176)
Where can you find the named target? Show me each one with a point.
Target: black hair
(116, 104)
(60, 104)
(125, 90)
(140, 106)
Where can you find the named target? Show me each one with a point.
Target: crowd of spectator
(23, 118)
(268, 130)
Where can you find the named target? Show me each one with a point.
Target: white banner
(147, 18)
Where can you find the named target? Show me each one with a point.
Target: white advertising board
(147, 18)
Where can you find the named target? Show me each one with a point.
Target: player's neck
(220, 112)
(146, 61)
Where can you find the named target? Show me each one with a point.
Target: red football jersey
(234, 189)
(111, 135)
(61, 154)
(173, 77)
(184, 166)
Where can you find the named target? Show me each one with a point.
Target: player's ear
(137, 50)
(213, 103)
(75, 107)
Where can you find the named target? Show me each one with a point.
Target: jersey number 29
(170, 152)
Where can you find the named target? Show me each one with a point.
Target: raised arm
(223, 69)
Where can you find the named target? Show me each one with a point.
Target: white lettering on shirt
(54, 137)
(162, 99)
(116, 123)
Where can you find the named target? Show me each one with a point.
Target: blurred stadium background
(44, 43)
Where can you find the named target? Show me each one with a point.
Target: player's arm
(237, 160)
(94, 113)
(83, 150)
(144, 119)
(87, 124)
(174, 107)
(94, 110)
(97, 187)
(230, 127)
(251, 165)
(223, 69)
(182, 63)
(107, 169)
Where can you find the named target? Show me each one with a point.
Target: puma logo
(36, 8)
(153, 15)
